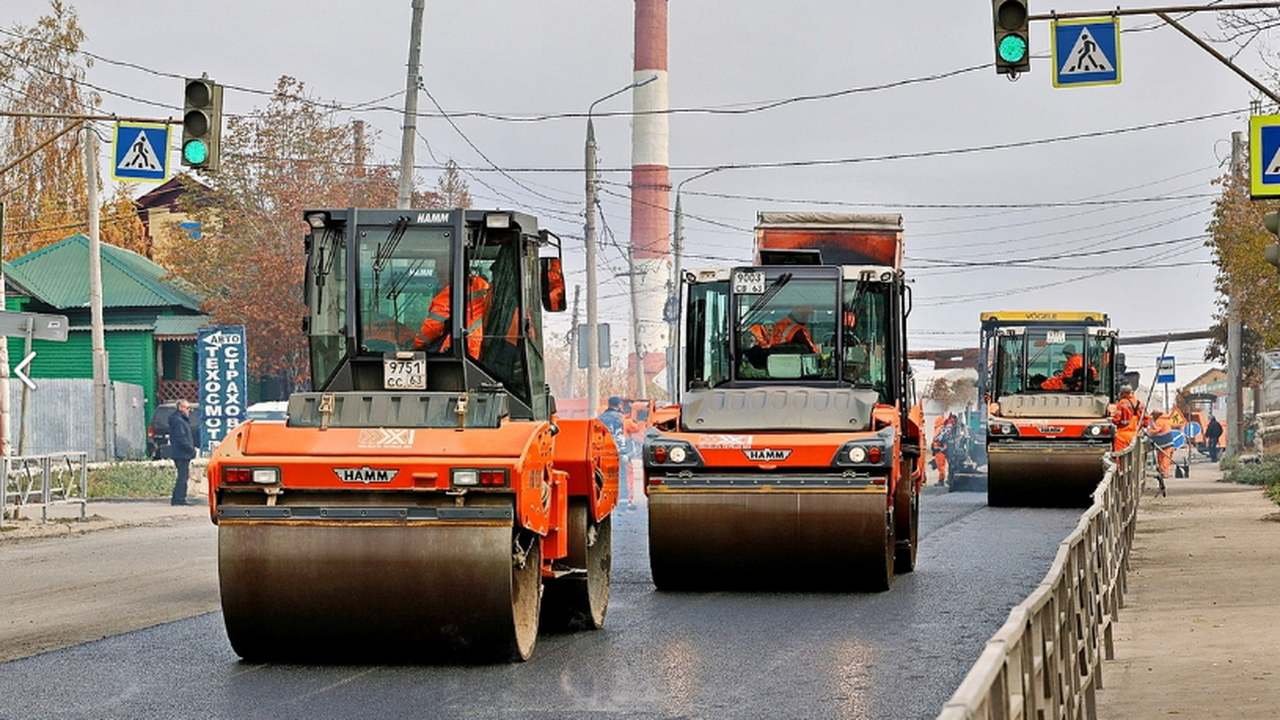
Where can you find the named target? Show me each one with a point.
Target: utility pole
(6, 430)
(100, 367)
(593, 319)
(1235, 418)
(573, 345)
(410, 128)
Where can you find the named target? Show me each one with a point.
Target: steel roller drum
(770, 540)
(344, 591)
(1044, 476)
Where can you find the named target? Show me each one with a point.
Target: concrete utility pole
(410, 127)
(1235, 418)
(573, 345)
(100, 366)
(6, 432)
(593, 317)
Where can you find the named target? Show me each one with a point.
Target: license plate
(748, 282)
(404, 371)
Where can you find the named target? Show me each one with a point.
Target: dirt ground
(1199, 634)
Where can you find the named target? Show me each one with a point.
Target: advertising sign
(223, 382)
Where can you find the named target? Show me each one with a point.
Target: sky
(834, 105)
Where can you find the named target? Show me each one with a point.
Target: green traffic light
(1012, 48)
(195, 152)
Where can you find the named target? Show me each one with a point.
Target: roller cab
(421, 504)
(1049, 379)
(792, 459)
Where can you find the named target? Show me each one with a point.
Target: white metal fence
(1046, 660)
(32, 481)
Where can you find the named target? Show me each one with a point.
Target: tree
(43, 71)
(1237, 239)
(451, 189)
(276, 162)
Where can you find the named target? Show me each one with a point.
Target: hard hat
(1068, 349)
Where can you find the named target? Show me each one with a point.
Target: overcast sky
(892, 85)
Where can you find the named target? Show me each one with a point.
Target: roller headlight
(677, 454)
(857, 454)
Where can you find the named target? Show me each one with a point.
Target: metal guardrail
(1046, 660)
(43, 480)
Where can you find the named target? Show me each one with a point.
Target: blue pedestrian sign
(141, 152)
(1165, 369)
(1086, 52)
(1264, 156)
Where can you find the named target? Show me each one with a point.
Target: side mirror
(553, 299)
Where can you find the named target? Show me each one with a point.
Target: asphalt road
(898, 654)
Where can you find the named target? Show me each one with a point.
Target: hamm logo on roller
(366, 474)
(768, 454)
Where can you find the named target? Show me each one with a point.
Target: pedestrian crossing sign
(141, 152)
(1264, 156)
(1086, 52)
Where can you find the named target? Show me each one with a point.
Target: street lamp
(673, 300)
(593, 330)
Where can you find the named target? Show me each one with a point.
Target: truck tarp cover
(843, 238)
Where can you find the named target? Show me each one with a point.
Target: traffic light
(1013, 36)
(1272, 221)
(201, 123)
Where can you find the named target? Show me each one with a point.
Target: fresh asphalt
(899, 654)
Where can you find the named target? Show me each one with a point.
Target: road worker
(793, 330)
(434, 335)
(1128, 418)
(1067, 378)
(1161, 432)
(943, 432)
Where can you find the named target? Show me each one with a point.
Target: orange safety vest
(1074, 363)
(434, 336)
(786, 330)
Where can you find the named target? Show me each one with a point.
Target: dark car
(158, 430)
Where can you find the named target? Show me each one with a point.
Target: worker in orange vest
(943, 431)
(1161, 432)
(434, 335)
(793, 330)
(1128, 417)
(1064, 379)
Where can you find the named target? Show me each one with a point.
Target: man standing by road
(182, 449)
(613, 420)
(1213, 432)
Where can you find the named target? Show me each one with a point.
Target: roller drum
(767, 540)
(1044, 476)
(347, 591)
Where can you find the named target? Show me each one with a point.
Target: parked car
(269, 410)
(158, 430)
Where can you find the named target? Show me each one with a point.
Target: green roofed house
(150, 318)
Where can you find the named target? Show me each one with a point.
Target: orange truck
(417, 505)
(794, 455)
(1050, 379)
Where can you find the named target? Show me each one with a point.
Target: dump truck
(420, 503)
(1049, 380)
(791, 460)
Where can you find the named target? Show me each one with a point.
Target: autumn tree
(451, 189)
(276, 162)
(42, 72)
(1237, 239)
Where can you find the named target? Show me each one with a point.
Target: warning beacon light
(1012, 36)
(201, 123)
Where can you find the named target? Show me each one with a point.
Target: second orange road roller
(1049, 379)
(423, 503)
(793, 457)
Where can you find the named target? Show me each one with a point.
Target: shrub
(131, 480)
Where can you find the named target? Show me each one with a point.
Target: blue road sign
(1165, 369)
(1264, 156)
(1086, 52)
(141, 152)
